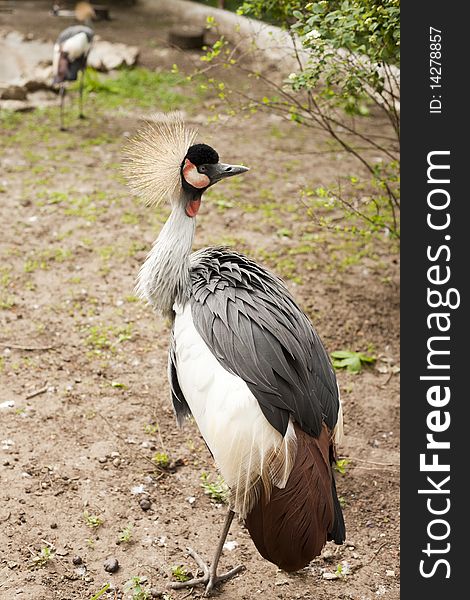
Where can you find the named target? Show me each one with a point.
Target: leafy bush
(346, 69)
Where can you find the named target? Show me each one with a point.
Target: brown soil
(83, 365)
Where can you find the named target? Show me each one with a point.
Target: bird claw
(209, 578)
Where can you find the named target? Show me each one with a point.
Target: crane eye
(202, 169)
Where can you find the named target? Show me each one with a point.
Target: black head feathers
(202, 154)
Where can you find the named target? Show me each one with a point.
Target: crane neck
(164, 278)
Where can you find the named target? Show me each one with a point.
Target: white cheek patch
(193, 177)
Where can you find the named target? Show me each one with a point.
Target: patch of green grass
(5, 276)
(342, 570)
(140, 87)
(98, 140)
(24, 129)
(92, 521)
(106, 252)
(151, 428)
(105, 337)
(284, 232)
(180, 573)
(31, 156)
(222, 202)
(9, 120)
(161, 459)
(45, 555)
(135, 247)
(44, 257)
(85, 207)
(276, 133)
(98, 337)
(137, 588)
(287, 267)
(118, 385)
(130, 218)
(217, 490)
(125, 535)
(340, 466)
(56, 197)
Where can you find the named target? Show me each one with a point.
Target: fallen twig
(384, 385)
(36, 393)
(369, 462)
(27, 348)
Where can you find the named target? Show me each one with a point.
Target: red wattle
(192, 208)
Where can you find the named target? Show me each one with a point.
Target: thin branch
(369, 462)
(27, 348)
(36, 393)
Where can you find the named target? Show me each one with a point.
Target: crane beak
(219, 171)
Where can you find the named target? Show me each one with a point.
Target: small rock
(7, 404)
(381, 590)
(230, 545)
(111, 565)
(53, 525)
(145, 504)
(390, 573)
(77, 560)
(13, 92)
(102, 459)
(328, 575)
(105, 56)
(117, 462)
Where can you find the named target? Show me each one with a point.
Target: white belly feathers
(249, 452)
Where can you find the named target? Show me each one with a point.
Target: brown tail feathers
(293, 526)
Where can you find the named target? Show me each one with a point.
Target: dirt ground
(84, 398)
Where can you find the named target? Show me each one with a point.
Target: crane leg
(82, 75)
(62, 97)
(210, 578)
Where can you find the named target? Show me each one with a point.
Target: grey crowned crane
(70, 55)
(244, 361)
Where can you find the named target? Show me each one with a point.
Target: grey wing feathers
(74, 30)
(255, 329)
(180, 405)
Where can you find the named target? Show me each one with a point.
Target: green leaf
(351, 361)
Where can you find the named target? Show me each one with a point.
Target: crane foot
(209, 578)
